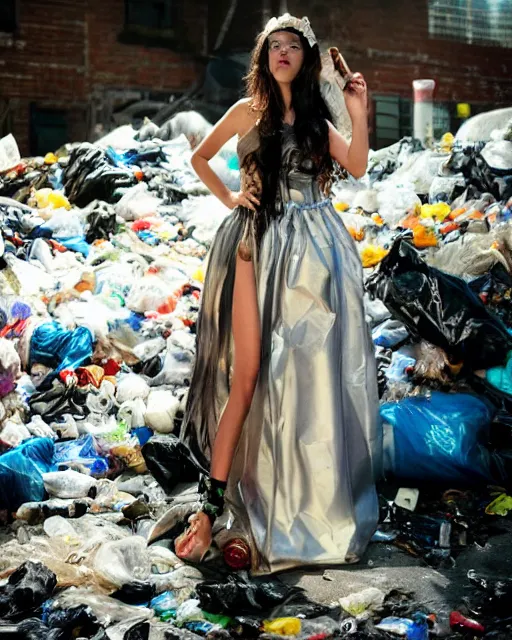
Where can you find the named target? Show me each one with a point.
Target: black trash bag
(64, 624)
(439, 308)
(92, 175)
(169, 461)
(237, 596)
(302, 607)
(477, 172)
(246, 627)
(33, 629)
(497, 594)
(58, 400)
(139, 631)
(28, 587)
(135, 593)
(495, 290)
(78, 621)
(101, 223)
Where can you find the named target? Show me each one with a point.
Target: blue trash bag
(439, 439)
(82, 451)
(21, 472)
(77, 244)
(56, 347)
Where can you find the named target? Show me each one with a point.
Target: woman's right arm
(229, 125)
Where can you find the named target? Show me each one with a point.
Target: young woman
(283, 402)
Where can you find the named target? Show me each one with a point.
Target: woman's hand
(242, 199)
(356, 97)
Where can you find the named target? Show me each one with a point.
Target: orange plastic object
(410, 221)
(357, 234)
(448, 227)
(423, 237)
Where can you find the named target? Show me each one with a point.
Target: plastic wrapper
(389, 334)
(149, 294)
(59, 527)
(63, 224)
(203, 215)
(420, 170)
(416, 629)
(161, 410)
(358, 603)
(184, 580)
(445, 188)
(131, 387)
(469, 256)
(68, 484)
(108, 610)
(395, 201)
(137, 203)
(21, 472)
(123, 561)
(439, 438)
(439, 308)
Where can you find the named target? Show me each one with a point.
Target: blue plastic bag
(21, 472)
(82, 451)
(439, 439)
(56, 347)
(390, 333)
(76, 243)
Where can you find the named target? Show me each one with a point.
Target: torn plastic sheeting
(21, 472)
(439, 438)
(439, 308)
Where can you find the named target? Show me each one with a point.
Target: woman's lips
(283, 63)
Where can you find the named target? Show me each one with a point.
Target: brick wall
(64, 51)
(388, 41)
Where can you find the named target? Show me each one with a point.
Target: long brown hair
(311, 114)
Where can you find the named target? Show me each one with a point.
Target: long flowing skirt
(303, 479)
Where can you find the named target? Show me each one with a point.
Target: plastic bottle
(237, 554)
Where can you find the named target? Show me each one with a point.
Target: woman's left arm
(353, 157)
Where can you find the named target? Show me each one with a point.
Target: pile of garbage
(102, 260)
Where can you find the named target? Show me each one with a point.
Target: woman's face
(285, 55)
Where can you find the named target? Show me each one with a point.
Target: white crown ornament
(286, 21)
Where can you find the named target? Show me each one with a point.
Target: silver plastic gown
(302, 486)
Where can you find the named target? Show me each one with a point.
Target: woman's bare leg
(247, 345)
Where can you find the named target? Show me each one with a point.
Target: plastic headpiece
(286, 21)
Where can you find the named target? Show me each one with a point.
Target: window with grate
(154, 15)
(483, 22)
(8, 16)
(392, 120)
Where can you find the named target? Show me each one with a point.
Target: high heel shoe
(194, 543)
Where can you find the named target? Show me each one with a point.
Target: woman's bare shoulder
(246, 116)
